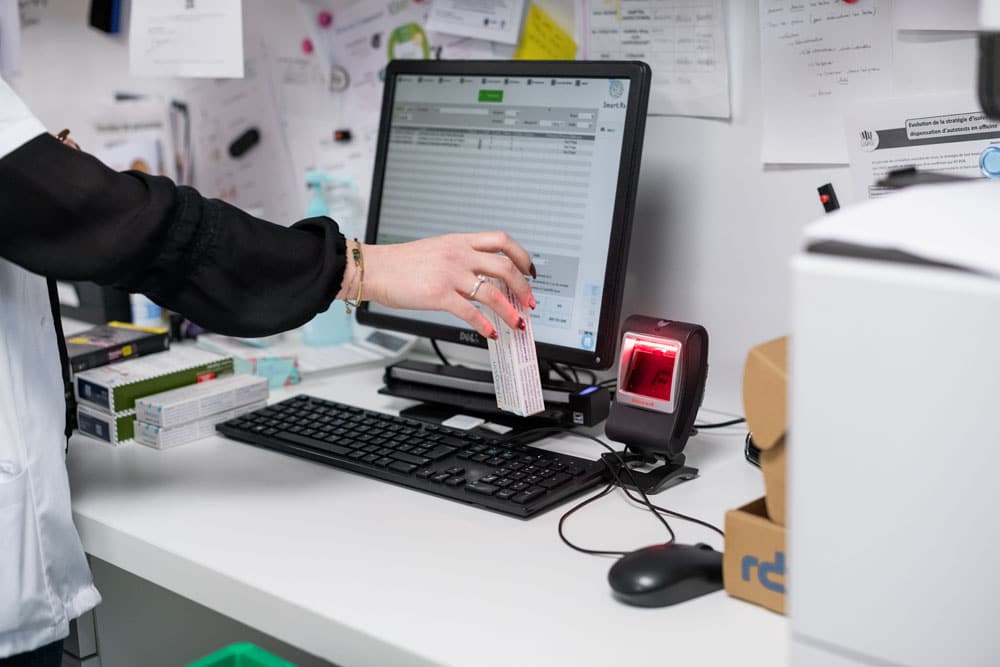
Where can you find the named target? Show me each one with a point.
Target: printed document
(684, 42)
(10, 39)
(945, 134)
(186, 38)
(492, 20)
(817, 58)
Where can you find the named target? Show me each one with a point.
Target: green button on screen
(491, 96)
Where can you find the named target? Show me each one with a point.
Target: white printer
(894, 462)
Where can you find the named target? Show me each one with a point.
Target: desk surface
(362, 572)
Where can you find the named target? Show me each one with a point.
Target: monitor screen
(547, 152)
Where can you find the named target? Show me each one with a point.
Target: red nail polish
(494, 335)
(521, 324)
(533, 304)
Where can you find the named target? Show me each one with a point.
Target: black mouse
(666, 574)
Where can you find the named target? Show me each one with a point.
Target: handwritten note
(544, 39)
(684, 42)
(817, 57)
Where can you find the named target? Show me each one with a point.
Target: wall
(715, 228)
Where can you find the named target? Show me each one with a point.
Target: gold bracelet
(359, 262)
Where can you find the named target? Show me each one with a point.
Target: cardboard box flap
(765, 383)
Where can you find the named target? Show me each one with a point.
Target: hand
(438, 274)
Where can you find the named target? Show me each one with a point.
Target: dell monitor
(548, 152)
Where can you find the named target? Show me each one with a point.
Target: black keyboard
(513, 479)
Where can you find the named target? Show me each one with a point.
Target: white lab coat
(44, 578)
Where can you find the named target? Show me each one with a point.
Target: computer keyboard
(518, 480)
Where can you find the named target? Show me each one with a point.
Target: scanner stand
(665, 473)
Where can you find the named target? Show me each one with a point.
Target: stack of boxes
(175, 417)
(106, 396)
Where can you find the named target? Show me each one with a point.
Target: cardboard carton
(753, 565)
(765, 387)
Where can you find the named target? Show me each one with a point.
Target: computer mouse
(666, 574)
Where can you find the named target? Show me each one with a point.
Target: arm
(67, 216)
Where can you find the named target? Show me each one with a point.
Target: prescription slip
(514, 361)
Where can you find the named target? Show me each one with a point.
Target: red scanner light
(650, 369)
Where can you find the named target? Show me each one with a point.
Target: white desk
(361, 572)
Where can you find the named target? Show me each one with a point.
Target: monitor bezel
(638, 74)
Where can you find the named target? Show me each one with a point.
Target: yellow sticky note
(544, 39)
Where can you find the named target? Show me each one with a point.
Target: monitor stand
(447, 391)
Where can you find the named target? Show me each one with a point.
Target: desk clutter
(159, 396)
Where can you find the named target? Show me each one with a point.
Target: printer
(894, 470)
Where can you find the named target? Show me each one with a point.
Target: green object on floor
(243, 654)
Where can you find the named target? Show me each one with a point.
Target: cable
(655, 509)
(444, 359)
(731, 422)
(562, 520)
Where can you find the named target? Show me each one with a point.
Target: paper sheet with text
(10, 39)
(683, 41)
(492, 20)
(817, 58)
(202, 39)
(941, 133)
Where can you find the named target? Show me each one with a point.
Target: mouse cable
(645, 501)
(579, 506)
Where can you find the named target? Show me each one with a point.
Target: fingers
(502, 242)
(464, 309)
(492, 297)
(503, 268)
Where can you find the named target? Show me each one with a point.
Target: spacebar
(313, 443)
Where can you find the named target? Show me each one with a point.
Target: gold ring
(480, 279)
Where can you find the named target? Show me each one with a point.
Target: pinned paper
(10, 39)
(202, 39)
(544, 39)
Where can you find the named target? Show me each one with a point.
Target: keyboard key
(384, 462)
(402, 467)
(456, 470)
(528, 495)
(489, 479)
(452, 441)
(314, 444)
(371, 458)
(426, 472)
(479, 458)
(440, 477)
(519, 486)
(558, 480)
(506, 494)
(410, 458)
(481, 487)
(455, 481)
(440, 452)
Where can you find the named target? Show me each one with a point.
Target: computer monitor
(546, 151)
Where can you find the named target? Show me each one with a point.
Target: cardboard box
(753, 565)
(765, 388)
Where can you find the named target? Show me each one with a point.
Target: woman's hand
(441, 273)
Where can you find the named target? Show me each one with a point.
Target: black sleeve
(65, 215)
